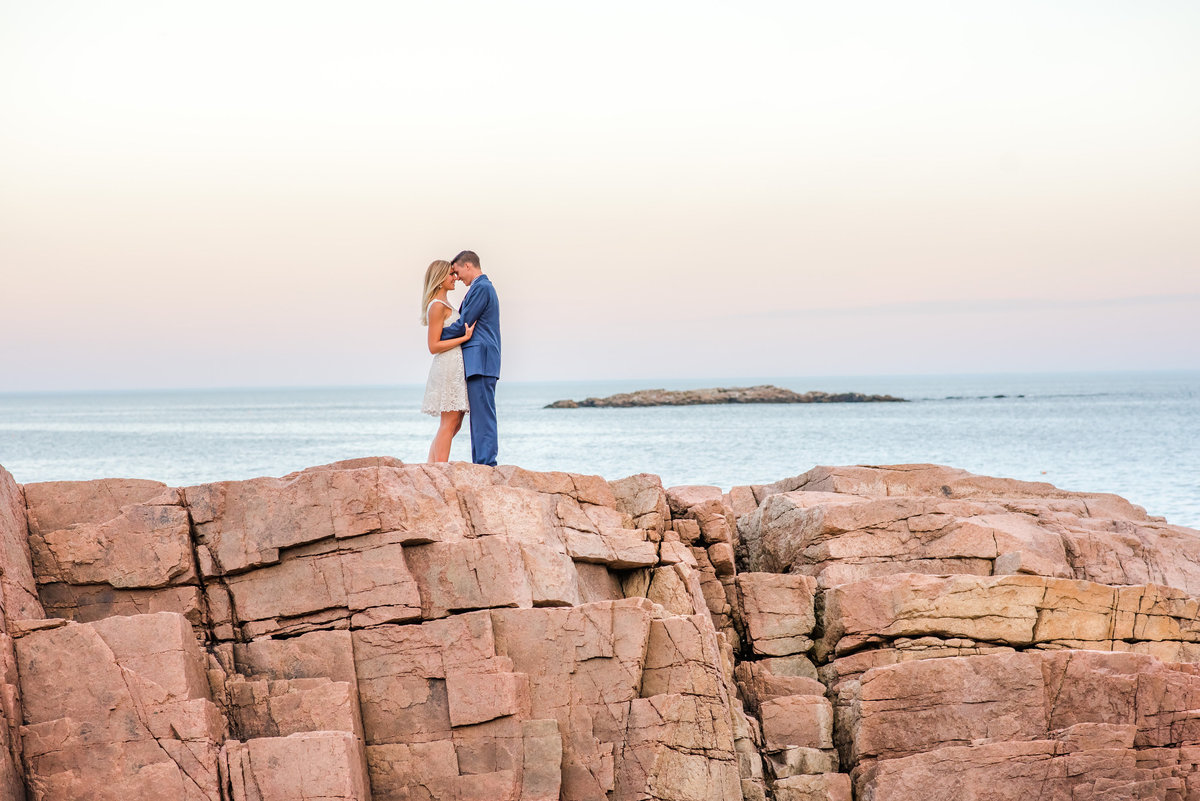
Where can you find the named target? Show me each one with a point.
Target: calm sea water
(1135, 434)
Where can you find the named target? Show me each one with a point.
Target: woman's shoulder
(435, 311)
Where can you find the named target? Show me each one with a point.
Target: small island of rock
(764, 393)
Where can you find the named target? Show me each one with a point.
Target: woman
(446, 389)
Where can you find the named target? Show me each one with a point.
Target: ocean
(1134, 434)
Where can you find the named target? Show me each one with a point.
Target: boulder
(18, 589)
(62, 505)
(363, 580)
(675, 747)
(244, 524)
(844, 525)
(111, 547)
(829, 786)
(1042, 769)
(146, 545)
(285, 707)
(797, 720)
(18, 601)
(913, 616)
(89, 602)
(318, 654)
(777, 612)
(325, 765)
(915, 707)
(118, 709)
(643, 498)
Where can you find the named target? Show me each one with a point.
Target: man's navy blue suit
(481, 358)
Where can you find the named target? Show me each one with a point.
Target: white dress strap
(438, 300)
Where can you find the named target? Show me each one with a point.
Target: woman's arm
(473, 307)
(437, 315)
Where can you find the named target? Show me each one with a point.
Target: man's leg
(481, 394)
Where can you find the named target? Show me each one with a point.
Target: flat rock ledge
(375, 631)
(764, 393)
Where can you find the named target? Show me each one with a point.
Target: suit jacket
(481, 353)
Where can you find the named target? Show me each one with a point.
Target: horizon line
(723, 379)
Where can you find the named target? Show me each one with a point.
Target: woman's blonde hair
(435, 274)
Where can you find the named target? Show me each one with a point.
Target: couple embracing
(466, 357)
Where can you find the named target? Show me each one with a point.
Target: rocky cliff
(370, 629)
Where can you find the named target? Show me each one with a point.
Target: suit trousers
(481, 395)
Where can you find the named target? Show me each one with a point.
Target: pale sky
(248, 193)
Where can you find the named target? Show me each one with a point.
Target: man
(481, 353)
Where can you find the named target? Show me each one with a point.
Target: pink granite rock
(682, 499)
(402, 670)
(797, 720)
(62, 505)
(521, 514)
(473, 697)
(797, 760)
(471, 574)
(588, 663)
(585, 490)
(457, 632)
(720, 556)
(147, 545)
(949, 482)
(403, 771)
(470, 679)
(688, 531)
(90, 602)
(286, 707)
(18, 591)
(911, 616)
(759, 683)
(103, 548)
(922, 706)
(118, 709)
(597, 583)
(323, 766)
(682, 656)
(620, 549)
(318, 654)
(821, 787)
(676, 748)
(12, 785)
(364, 577)
(358, 463)
(677, 589)
(777, 612)
(849, 524)
(1041, 769)
(244, 524)
(643, 498)
(18, 601)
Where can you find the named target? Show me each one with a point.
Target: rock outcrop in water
(764, 393)
(370, 629)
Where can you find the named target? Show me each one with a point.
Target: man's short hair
(467, 257)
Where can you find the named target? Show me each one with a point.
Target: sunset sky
(247, 193)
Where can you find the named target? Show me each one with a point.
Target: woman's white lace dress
(446, 389)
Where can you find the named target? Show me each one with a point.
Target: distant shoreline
(763, 393)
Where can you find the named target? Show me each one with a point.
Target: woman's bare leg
(439, 451)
